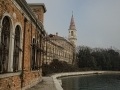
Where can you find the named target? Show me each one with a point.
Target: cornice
(38, 5)
(72, 29)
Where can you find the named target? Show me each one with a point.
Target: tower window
(72, 34)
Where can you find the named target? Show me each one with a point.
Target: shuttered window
(4, 45)
(17, 49)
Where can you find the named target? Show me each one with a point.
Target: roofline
(38, 4)
(30, 13)
(61, 38)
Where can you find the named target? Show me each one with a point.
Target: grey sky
(97, 21)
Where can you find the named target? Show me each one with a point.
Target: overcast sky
(97, 21)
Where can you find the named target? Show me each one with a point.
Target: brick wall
(10, 83)
(40, 12)
(13, 82)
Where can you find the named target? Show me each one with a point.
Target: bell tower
(72, 31)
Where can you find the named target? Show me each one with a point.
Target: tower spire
(72, 31)
(72, 23)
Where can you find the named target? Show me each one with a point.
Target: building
(21, 37)
(60, 48)
(24, 44)
(72, 32)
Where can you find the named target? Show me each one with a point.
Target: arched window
(72, 33)
(4, 47)
(16, 49)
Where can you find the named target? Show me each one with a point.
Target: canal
(92, 82)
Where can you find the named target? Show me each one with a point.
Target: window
(4, 48)
(35, 63)
(38, 55)
(17, 49)
(72, 34)
(33, 54)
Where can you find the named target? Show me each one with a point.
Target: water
(92, 82)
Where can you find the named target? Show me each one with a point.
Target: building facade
(24, 45)
(60, 48)
(21, 37)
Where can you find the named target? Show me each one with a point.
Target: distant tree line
(98, 58)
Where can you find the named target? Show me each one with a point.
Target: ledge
(9, 74)
(56, 76)
(35, 70)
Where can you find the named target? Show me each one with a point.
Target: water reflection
(92, 82)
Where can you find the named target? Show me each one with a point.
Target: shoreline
(59, 75)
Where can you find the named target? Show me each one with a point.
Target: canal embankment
(59, 75)
(52, 82)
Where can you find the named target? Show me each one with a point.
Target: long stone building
(21, 36)
(24, 44)
(59, 48)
